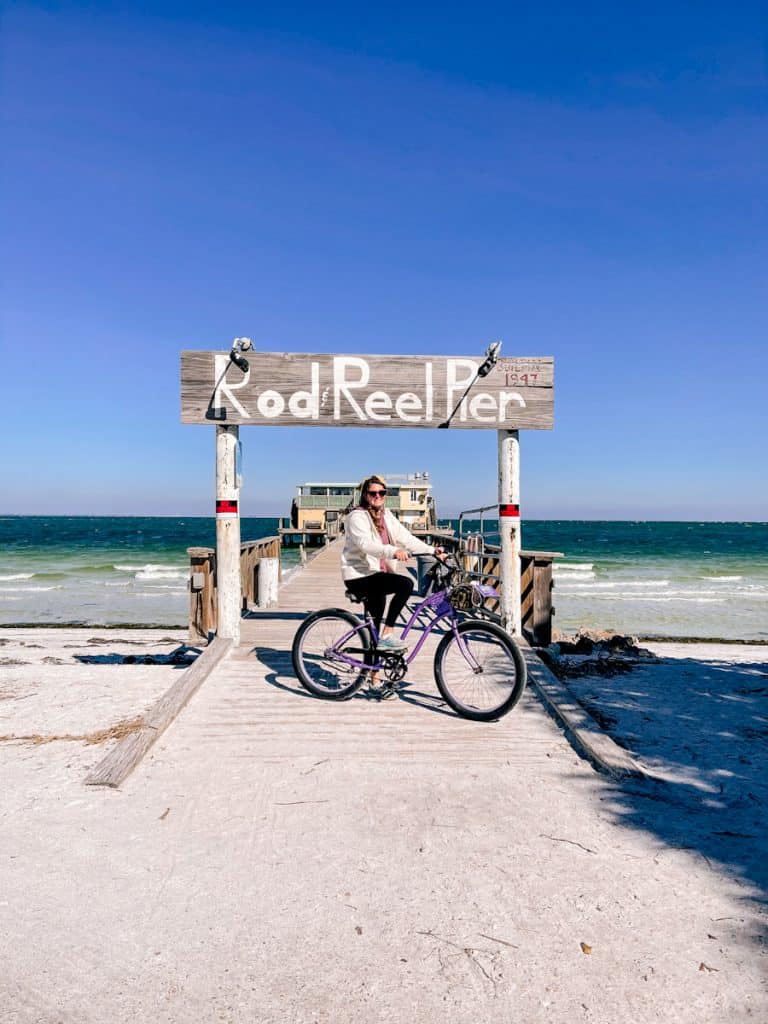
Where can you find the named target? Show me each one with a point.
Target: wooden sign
(288, 389)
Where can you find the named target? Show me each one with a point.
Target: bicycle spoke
(481, 675)
(328, 650)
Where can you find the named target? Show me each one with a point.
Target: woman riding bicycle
(478, 670)
(375, 542)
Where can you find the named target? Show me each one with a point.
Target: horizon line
(263, 515)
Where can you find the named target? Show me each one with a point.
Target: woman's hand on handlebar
(401, 555)
(441, 553)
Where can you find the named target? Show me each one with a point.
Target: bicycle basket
(465, 597)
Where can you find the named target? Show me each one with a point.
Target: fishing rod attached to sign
(491, 358)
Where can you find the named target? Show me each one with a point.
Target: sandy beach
(258, 866)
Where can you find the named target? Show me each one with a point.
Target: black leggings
(374, 590)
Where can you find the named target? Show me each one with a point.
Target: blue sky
(583, 181)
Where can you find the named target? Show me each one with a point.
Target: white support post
(227, 534)
(509, 530)
(269, 582)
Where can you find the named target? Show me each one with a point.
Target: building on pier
(318, 507)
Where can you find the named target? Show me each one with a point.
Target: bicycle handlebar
(442, 572)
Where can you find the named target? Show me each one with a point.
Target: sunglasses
(377, 494)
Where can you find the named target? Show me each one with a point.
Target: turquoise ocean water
(645, 578)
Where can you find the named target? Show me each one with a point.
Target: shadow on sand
(701, 728)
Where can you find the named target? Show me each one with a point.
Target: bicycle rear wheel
(319, 656)
(486, 679)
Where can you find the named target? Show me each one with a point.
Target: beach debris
(706, 967)
(472, 954)
(594, 652)
(113, 732)
(292, 803)
(585, 948)
(493, 938)
(182, 655)
(358, 929)
(102, 641)
(165, 814)
(596, 641)
(556, 839)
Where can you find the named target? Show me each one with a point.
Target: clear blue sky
(587, 181)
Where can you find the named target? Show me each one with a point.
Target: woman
(375, 542)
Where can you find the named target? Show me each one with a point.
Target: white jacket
(363, 548)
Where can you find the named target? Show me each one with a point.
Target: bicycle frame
(440, 608)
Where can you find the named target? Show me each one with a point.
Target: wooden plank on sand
(596, 745)
(127, 753)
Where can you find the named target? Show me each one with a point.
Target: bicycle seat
(353, 598)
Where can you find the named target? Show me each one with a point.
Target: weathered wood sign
(288, 389)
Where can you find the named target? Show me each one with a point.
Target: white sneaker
(391, 643)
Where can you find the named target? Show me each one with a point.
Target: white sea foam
(17, 576)
(164, 573)
(27, 590)
(574, 566)
(694, 594)
(150, 567)
(664, 598)
(721, 579)
(173, 588)
(594, 588)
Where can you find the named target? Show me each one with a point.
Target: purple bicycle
(478, 668)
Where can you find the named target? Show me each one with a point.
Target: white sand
(267, 863)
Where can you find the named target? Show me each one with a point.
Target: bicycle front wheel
(481, 673)
(328, 652)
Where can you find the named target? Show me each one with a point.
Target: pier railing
(202, 582)
(482, 559)
(536, 585)
(478, 558)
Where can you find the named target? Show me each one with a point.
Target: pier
(259, 664)
(479, 559)
(251, 702)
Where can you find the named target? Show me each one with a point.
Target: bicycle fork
(464, 648)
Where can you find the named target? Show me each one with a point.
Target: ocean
(649, 579)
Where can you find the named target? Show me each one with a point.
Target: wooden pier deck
(261, 688)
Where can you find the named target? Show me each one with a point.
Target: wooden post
(202, 610)
(542, 601)
(509, 530)
(269, 569)
(227, 534)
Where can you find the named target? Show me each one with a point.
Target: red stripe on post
(226, 506)
(506, 511)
